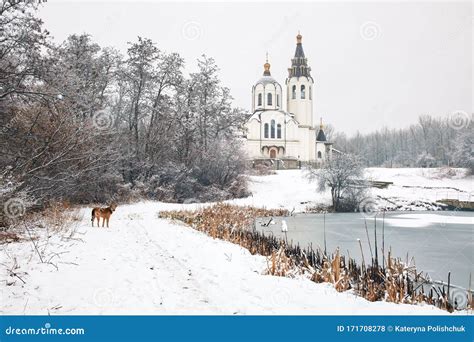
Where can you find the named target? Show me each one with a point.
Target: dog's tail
(93, 214)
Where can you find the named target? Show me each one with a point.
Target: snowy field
(146, 265)
(292, 190)
(412, 187)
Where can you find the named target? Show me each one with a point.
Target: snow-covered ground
(289, 189)
(146, 265)
(416, 189)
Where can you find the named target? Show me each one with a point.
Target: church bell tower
(299, 86)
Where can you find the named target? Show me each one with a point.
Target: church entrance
(273, 153)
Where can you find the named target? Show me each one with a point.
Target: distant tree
(329, 132)
(464, 150)
(343, 174)
(402, 159)
(431, 136)
(425, 160)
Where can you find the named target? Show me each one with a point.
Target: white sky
(420, 61)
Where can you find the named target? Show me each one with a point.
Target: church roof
(299, 63)
(267, 76)
(259, 112)
(299, 47)
(321, 136)
(266, 80)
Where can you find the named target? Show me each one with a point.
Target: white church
(273, 133)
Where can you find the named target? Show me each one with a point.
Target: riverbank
(296, 246)
(412, 189)
(437, 243)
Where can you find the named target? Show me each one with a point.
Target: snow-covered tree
(425, 160)
(464, 150)
(431, 136)
(22, 38)
(82, 123)
(343, 174)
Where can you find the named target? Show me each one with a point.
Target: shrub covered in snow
(464, 149)
(261, 169)
(343, 174)
(426, 160)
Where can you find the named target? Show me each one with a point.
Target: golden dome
(266, 68)
(299, 37)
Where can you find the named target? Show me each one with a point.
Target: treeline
(432, 142)
(84, 123)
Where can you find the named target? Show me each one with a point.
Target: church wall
(292, 130)
(293, 149)
(304, 149)
(253, 129)
(302, 108)
(299, 142)
(264, 90)
(312, 144)
(267, 117)
(256, 135)
(320, 147)
(252, 149)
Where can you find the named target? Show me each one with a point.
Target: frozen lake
(440, 242)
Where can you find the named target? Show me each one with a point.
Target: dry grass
(333, 271)
(230, 223)
(7, 237)
(59, 216)
(397, 282)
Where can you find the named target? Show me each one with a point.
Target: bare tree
(343, 173)
(21, 40)
(464, 150)
(164, 136)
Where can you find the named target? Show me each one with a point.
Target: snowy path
(146, 265)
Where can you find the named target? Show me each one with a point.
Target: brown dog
(105, 213)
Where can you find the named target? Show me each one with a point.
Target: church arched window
(303, 92)
(259, 103)
(320, 155)
(278, 100)
(293, 92)
(269, 99)
(310, 91)
(272, 129)
(265, 130)
(279, 131)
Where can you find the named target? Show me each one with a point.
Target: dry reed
(394, 281)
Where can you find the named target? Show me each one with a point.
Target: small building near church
(286, 132)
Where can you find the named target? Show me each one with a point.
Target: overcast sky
(374, 64)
